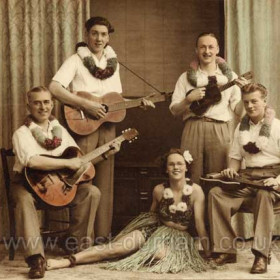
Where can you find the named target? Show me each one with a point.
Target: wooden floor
(17, 269)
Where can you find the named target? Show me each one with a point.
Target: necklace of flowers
(182, 206)
(45, 142)
(86, 56)
(192, 71)
(262, 140)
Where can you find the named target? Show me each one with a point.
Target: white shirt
(25, 145)
(269, 155)
(74, 74)
(223, 110)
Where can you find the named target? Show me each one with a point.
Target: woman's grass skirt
(179, 251)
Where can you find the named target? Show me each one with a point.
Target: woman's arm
(199, 209)
(157, 195)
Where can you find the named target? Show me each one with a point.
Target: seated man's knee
(22, 199)
(263, 194)
(214, 191)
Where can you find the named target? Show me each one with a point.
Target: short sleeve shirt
(25, 145)
(76, 76)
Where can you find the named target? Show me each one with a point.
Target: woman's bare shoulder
(197, 191)
(158, 190)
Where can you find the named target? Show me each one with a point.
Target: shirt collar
(257, 124)
(217, 71)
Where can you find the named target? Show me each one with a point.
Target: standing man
(207, 137)
(257, 141)
(94, 69)
(40, 135)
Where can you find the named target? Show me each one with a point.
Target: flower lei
(86, 56)
(182, 206)
(262, 141)
(195, 82)
(45, 142)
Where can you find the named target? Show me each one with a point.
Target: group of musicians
(207, 136)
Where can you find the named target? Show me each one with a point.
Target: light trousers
(82, 213)
(104, 177)
(208, 143)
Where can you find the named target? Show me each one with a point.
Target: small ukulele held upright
(213, 95)
(83, 124)
(58, 188)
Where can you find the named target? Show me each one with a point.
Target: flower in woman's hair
(172, 208)
(187, 156)
(182, 207)
(167, 193)
(187, 190)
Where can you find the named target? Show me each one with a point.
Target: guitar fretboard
(101, 150)
(134, 103)
(247, 76)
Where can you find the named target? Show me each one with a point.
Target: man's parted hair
(206, 34)
(99, 21)
(252, 87)
(37, 89)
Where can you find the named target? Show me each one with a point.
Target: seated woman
(159, 239)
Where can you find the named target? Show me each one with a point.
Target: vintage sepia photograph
(139, 139)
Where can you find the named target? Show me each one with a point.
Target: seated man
(257, 141)
(42, 134)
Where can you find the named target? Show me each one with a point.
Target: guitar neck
(101, 150)
(249, 182)
(247, 75)
(218, 177)
(135, 103)
(226, 86)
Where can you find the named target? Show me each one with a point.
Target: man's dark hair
(37, 89)
(206, 34)
(252, 87)
(99, 21)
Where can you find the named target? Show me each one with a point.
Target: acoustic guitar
(84, 124)
(213, 95)
(216, 179)
(57, 188)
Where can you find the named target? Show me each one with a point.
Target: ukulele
(216, 179)
(57, 188)
(84, 124)
(213, 95)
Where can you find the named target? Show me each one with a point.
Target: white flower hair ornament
(188, 157)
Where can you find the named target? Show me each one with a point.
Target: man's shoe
(260, 265)
(225, 258)
(37, 266)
